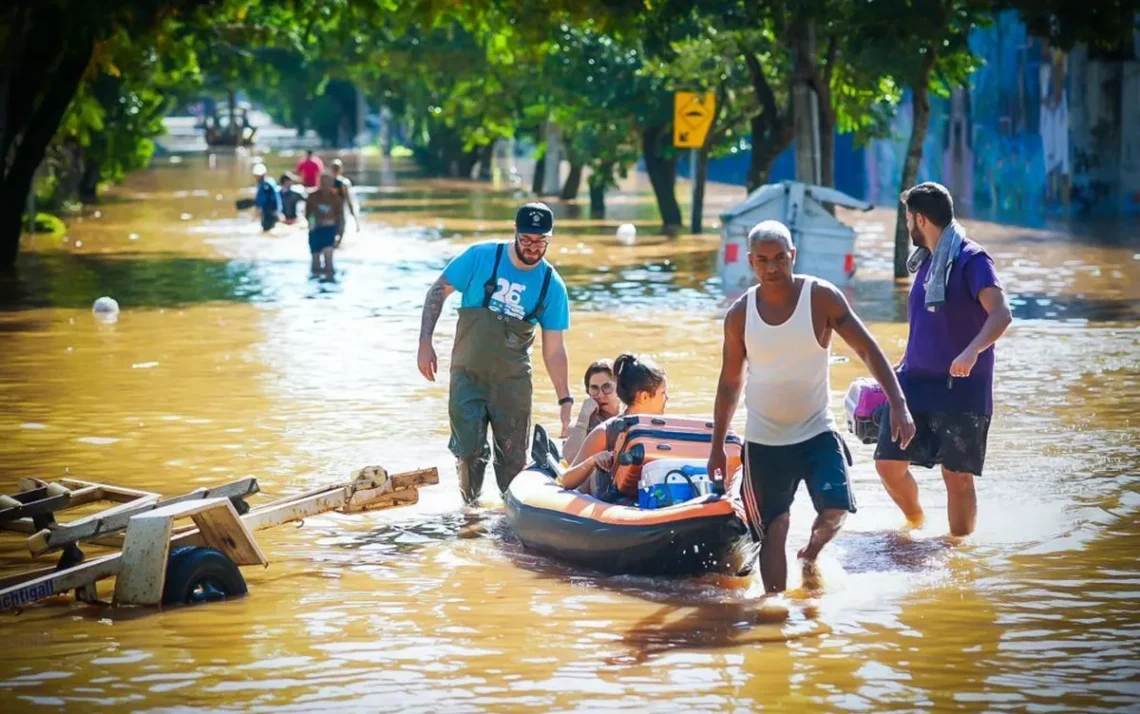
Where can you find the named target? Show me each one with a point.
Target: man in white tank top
(781, 329)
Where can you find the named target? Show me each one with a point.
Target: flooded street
(229, 360)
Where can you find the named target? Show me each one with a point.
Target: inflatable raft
(702, 535)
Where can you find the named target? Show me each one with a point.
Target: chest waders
(491, 384)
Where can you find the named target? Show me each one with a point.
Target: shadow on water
(707, 612)
(891, 551)
(68, 280)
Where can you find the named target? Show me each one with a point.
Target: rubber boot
(470, 471)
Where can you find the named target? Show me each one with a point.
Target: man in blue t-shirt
(507, 289)
(947, 372)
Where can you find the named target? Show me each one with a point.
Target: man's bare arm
(731, 379)
(999, 317)
(557, 361)
(433, 306)
(848, 326)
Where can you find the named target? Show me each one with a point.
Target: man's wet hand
(964, 363)
(427, 361)
(902, 426)
(718, 463)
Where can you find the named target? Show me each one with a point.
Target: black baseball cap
(535, 219)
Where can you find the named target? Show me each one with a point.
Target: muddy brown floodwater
(229, 360)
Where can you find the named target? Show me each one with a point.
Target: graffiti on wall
(1037, 134)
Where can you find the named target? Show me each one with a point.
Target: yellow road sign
(692, 116)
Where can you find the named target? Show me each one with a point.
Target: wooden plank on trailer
(291, 509)
(372, 501)
(101, 524)
(222, 528)
(142, 570)
(44, 500)
(110, 492)
(417, 478)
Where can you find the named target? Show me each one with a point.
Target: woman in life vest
(642, 388)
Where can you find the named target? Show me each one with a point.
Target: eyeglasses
(607, 388)
(533, 242)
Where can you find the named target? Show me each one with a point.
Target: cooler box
(668, 482)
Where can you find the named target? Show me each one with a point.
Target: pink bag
(862, 408)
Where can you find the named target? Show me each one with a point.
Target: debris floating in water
(106, 309)
(187, 216)
(133, 236)
(627, 234)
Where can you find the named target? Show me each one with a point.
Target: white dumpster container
(824, 247)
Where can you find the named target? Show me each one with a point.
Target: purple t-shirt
(937, 338)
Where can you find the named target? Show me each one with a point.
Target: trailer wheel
(196, 574)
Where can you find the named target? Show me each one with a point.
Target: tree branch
(830, 56)
(760, 85)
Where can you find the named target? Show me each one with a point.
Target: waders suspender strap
(539, 308)
(492, 285)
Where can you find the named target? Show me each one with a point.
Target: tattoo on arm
(433, 306)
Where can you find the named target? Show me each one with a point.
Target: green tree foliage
(924, 45)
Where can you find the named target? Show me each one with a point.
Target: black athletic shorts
(772, 474)
(956, 441)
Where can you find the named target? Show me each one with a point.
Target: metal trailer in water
(824, 246)
(159, 562)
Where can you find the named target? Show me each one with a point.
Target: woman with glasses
(601, 404)
(641, 386)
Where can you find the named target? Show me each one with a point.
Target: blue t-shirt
(937, 338)
(516, 292)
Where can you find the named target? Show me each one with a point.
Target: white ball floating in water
(627, 234)
(106, 309)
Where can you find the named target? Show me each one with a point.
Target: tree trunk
(467, 163)
(89, 181)
(539, 174)
(486, 153)
(921, 102)
(662, 172)
(573, 182)
(233, 130)
(769, 139)
(600, 178)
(700, 176)
(28, 134)
(826, 140)
(805, 103)
(772, 132)
(597, 201)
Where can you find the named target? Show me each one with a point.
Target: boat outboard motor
(544, 453)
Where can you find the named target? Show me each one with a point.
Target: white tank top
(789, 387)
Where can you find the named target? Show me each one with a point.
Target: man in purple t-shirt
(948, 369)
